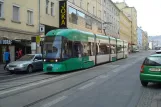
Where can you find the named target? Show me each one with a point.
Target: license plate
(11, 68)
(155, 69)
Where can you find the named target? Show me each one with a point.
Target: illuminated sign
(62, 14)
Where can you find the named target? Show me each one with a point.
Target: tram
(71, 49)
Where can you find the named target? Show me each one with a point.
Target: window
(152, 61)
(99, 24)
(47, 2)
(87, 49)
(80, 14)
(81, 1)
(87, 7)
(67, 49)
(119, 49)
(29, 17)
(113, 49)
(104, 15)
(93, 10)
(88, 20)
(99, 14)
(72, 15)
(52, 9)
(103, 49)
(77, 49)
(16, 13)
(1, 9)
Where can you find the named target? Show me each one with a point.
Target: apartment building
(18, 23)
(131, 13)
(125, 27)
(111, 16)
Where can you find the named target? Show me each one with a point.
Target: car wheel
(11, 72)
(144, 84)
(29, 69)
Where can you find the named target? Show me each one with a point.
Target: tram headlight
(56, 60)
(44, 60)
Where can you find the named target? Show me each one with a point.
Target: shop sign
(62, 14)
(5, 42)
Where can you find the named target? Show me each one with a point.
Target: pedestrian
(20, 53)
(6, 58)
(17, 55)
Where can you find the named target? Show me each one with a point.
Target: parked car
(151, 69)
(158, 51)
(28, 62)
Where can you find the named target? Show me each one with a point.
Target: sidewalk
(156, 101)
(2, 68)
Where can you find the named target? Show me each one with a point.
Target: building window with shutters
(52, 9)
(16, 13)
(1, 9)
(47, 3)
(29, 17)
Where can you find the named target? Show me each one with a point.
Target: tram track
(17, 77)
(73, 86)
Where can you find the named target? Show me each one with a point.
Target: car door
(38, 62)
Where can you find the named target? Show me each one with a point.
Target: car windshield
(153, 61)
(52, 47)
(26, 58)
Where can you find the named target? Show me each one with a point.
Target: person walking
(6, 58)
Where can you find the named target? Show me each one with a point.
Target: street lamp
(104, 28)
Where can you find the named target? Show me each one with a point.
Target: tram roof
(71, 34)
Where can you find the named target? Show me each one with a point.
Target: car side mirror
(35, 59)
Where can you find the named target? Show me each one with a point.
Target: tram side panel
(125, 49)
(113, 49)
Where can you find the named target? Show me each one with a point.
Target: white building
(111, 16)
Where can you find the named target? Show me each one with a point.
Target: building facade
(111, 17)
(140, 38)
(145, 40)
(125, 27)
(131, 13)
(18, 23)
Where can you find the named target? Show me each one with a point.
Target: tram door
(77, 54)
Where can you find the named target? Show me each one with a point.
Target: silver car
(28, 62)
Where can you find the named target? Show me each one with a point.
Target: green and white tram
(70, 49)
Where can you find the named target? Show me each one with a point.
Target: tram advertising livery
(70, 49)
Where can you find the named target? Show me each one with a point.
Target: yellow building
(131, 13)
(145, 40)
(125, 27)
(18, 23)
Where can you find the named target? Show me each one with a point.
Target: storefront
(13, 46)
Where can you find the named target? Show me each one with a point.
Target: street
(114, 84)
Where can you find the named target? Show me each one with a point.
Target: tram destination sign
(62, 14)
(5, 42)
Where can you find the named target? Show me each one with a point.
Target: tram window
(119, 49)
(67, 49)
(103, 49)
(87, 49)
(77, 49)
(113, 49)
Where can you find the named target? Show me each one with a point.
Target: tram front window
(52, 47)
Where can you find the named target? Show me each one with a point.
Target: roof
(155, 55)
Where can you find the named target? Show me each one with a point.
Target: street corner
(156, 101)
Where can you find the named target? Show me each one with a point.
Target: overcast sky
(148, 14)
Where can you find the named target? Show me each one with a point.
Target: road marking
(55, 101)
(103, 76)
(87, 85)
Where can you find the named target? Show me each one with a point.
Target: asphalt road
(109, 85)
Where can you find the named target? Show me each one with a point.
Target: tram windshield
(52, 47)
